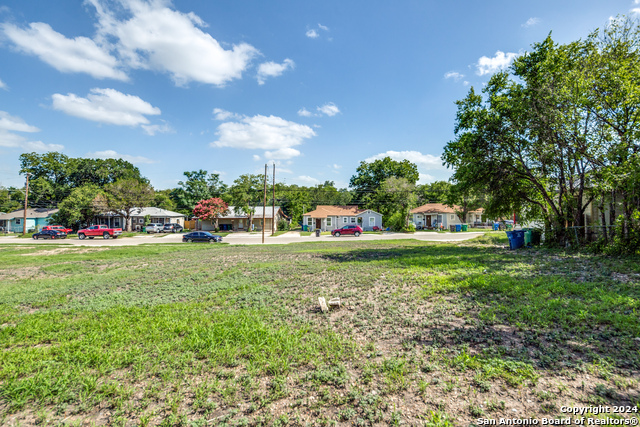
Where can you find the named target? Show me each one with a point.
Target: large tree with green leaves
(53, 175)
(527, 143)
(198, 185)
(370, 176)
(81, 206)
(125, 196)
(246, 193)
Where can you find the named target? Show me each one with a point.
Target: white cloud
(8, 139)
(78, 55)
(425, 178)
(273, 69)
(499, 62)
(12, 123)
(531, 22)
(323, 27)
(308, 179)
(635, 11)
(111, 154)
(153, 129)
(273, 134)
(106, 106)
(330, 109)
(256, 157)
(3, 85)
(427, 161)
(312, 34)
(222, 115)
(304, 112)
(11, 140)
(453, 75)
(153, 36)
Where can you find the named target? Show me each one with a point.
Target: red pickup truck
(99, 230)
(57, 228)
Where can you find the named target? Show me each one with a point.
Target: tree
(463, 201)
(246, 193)
(126, 195)
(370, 176)
(63, 173)
(10, 199)
(162, 199)
(211, 209)
(396, 197)
(198, 186)
(527, 145)
(81, 206)
(435, 192)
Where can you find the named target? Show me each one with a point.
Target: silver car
(154, 228)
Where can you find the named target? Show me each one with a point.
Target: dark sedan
(201, 236)
(50, 234)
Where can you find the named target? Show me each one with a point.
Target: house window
(328, 221)
(372, 221)
(344, 220)
(353, 220)
(141, 220)
(18, 221)
(309, 221)
(452, 216)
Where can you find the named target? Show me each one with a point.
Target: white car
(154, 228)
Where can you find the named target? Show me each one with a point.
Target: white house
(438, 215)
(157, 215)
(327, 218)
(236, 220)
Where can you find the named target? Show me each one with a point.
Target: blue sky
(227, 86)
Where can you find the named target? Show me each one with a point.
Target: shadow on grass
(552, 311)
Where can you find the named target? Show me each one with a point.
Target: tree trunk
(612, 213)
(603, 220)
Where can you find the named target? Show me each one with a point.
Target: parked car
(201, 236)
(57, 228)
(50, 234)
(99, 230)
(154, 227)
(172, 228)
(347, 229)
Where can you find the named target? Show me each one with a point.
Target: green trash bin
(509, 226)
(527, 236)
(536, 236)
(465, 227)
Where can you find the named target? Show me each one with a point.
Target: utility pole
(26, 199)
(264, 200)
(273, 206)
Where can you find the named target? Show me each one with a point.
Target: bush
(283, 225)
(398, 222)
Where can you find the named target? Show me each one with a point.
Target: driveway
(249, 239)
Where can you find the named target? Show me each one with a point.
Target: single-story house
(237, 220)
(327, 218)
(438, 215)
(36, 219)
(157, 215)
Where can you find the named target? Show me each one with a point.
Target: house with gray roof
(36, 219)
(157, 215)
(237, 220)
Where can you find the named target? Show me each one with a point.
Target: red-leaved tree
(210, 209)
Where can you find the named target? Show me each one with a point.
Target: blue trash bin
(496, 226)
(516, 239)
(458, 227)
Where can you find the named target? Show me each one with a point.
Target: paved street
(246, 239)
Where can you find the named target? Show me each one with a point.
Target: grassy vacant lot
(429, 334)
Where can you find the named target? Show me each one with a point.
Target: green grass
(176, 334)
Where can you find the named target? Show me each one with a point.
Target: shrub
(283, 225)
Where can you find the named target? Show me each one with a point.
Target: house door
(428, 221)
(318, 223)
